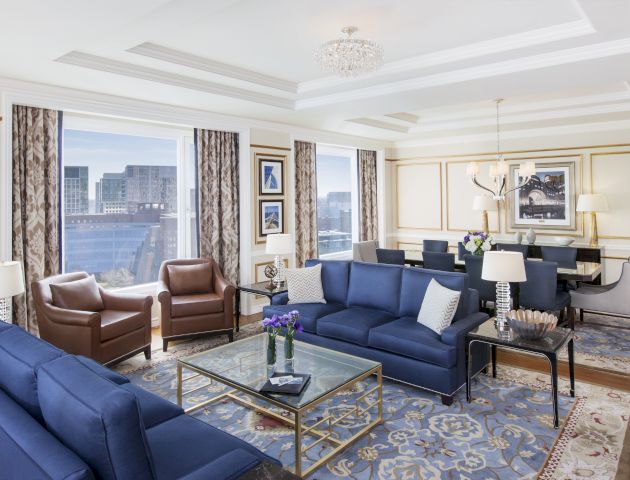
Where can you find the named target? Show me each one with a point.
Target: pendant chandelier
(499, 172)
(349, 56)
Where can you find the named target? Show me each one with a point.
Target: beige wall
(431, 196)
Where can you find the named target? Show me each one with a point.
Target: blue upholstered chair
(439, 261)
(435, 246)
(513, 247)
(391, 256)
(487, 290)
(540, 291)
(461, 251)
(564, 256)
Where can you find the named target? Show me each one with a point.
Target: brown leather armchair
(121, 329)
(195, 299)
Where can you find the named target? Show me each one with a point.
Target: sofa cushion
(309, 312)
(20, 355)
(115, 323)
(335, 277)
(194, 444)
(154, 409)
(80, 294)
(30, 451)
(375, 286)
(97, 419)
(415, 282)
(352, 324)
(189, 279)
(304, 285)
(407, 337)
(198, 304)
(102, 371)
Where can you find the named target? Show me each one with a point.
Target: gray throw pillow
(438, 307)
(304, 285)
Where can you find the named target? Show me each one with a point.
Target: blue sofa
(68, 417)
(372, 311)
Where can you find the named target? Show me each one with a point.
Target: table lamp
(279, 244)
(484, 204)
(592, 203)
(11, 284)
(503, 267)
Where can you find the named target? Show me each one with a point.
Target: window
(128, 199)
(337, 206)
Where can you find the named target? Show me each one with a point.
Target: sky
(110, 153)
(333, 174)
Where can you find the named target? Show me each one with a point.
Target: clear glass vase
(271, 350)
(288, 347)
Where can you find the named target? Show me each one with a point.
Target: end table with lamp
(11, 284)
(503, 267)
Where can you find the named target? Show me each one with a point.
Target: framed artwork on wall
(270, 176)
(547, 201)
(271, 217)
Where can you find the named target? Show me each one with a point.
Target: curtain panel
(305, 202)
(35, 203)
(368, 207)
(218, 199)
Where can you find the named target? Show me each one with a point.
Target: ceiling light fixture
(349, 56)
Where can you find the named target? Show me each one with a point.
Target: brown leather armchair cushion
(199, 304)
(116, 323)
(190, 279)
(80, 294)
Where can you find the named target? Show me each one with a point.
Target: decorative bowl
(531, 325)
(564, 241)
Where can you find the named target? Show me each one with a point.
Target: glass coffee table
(241, 366)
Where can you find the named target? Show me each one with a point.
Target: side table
(548, 347)
(260, 288)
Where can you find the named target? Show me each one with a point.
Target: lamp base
(278, 280)
(503, 304)
(594, 236)
(5, 310)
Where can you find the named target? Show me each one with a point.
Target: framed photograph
(547, 201)
(271, 217)
(270, 176)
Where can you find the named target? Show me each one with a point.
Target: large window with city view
(128, 199)
(337, 214)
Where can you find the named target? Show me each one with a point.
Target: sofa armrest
(126, 301)
(280, 299)
(454, 334)
(163, 293)
(77, 318)
(228, 466)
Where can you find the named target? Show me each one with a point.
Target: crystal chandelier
(500, 170)
(349, 56)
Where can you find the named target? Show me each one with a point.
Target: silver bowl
(530, 331)
(564, 241)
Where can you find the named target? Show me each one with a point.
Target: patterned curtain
(367, 195)
(35, 203)
(305, 202)
(218, 192)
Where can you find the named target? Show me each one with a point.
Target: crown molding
(404, 117)
(370, 122)
(103, 64)
(159, 52)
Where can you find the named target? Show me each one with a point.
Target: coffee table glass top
(244, 363)
(551, 342)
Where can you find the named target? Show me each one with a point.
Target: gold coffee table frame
(324, 434)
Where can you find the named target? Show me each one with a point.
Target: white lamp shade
(11, 279)
(503, 267)
(484, 202)
(592, 202)
(279, 244)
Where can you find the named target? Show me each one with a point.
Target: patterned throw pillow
(304, 285)
(438, 307)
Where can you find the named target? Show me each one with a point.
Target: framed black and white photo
(270, 176)
(271, 216)
(547, 201)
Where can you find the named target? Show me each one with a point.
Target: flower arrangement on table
(273, 326)
(478, 242)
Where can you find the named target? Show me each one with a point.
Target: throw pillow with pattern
(304, 285)
(438, 307)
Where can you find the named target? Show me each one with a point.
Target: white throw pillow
(438, 307)
(305, 284)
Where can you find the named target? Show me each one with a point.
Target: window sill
(345, 255)
(144, 289)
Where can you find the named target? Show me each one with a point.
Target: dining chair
(487, 290)
(439, 261)
(540, 291)
(565, 257)
(513, 247)
(391, 256)
(435, 246)
(365, 251)
(461, 251)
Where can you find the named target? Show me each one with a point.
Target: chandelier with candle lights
(499, 171)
